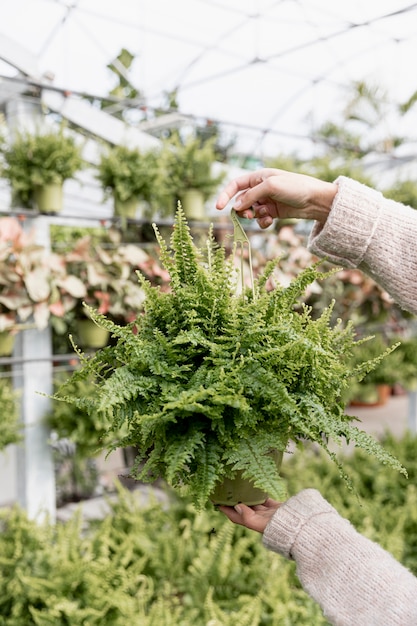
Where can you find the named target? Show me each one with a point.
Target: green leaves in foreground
(162, 563)
(207, 381)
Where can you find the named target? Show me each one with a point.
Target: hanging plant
(33, 160)
(211, 376)
(188, 165)
(129, 174)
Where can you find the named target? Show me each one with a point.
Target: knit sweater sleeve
(352, 578)
(376, 235)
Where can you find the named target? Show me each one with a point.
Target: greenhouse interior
(131, 382)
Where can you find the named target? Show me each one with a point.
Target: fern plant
(188, 164)
(40, 158)
(209, 378)
(129, 173)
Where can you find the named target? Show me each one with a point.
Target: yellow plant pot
(232, 491)
(192, 202)
(49, 198)
(6, 343)
(90, 335)
(126, 208)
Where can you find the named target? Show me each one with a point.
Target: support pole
(412, 411)
(32, 377)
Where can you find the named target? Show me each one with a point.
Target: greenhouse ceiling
(269, 72)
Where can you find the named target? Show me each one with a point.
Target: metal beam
(98, 123)
(18, 57)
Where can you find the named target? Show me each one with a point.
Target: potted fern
(101, 275)
(27, 282)
(130, 176)
(37, 165)
(211, 378)
(189, 177)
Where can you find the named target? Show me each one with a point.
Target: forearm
(377, 235)
(353, 579)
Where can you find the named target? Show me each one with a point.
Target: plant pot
(232, 491)
(193, 205)
(49, 198)
(90, 335)
(373, 395)
(126, 208)
(6, 343)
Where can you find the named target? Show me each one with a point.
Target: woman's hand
(253, 517)
(270, 193)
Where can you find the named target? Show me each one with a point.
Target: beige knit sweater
(353, 579)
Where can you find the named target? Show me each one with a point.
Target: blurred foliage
(403, 191)
(165, 563)
(10, 427)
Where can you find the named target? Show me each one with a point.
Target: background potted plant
(27, 288)
(38, 164)
(100, 275)
(397, 369)
(208, 381)
(188, 166)
(130, 176)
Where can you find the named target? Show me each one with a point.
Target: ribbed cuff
(284, 527)
(345, 236)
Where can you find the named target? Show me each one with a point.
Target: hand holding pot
(253, 517)
(270, 193)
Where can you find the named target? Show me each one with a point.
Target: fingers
(231, 513)
(245, 516)
(261, 214)
(268, 504)
(265, 222)
(245, 184)
(238, 184)
(224, 197)
(254, 518)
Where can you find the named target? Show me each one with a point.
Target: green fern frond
(266, 273)
(292, 294)
(211, 247)
(248, 615)
(207, 468)
(362, 369)
(204, 565)
(122, 387)
(164, 254)
(252, 458)
(185, 254)
(371, 446)
(82, 403)
(181, 454)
